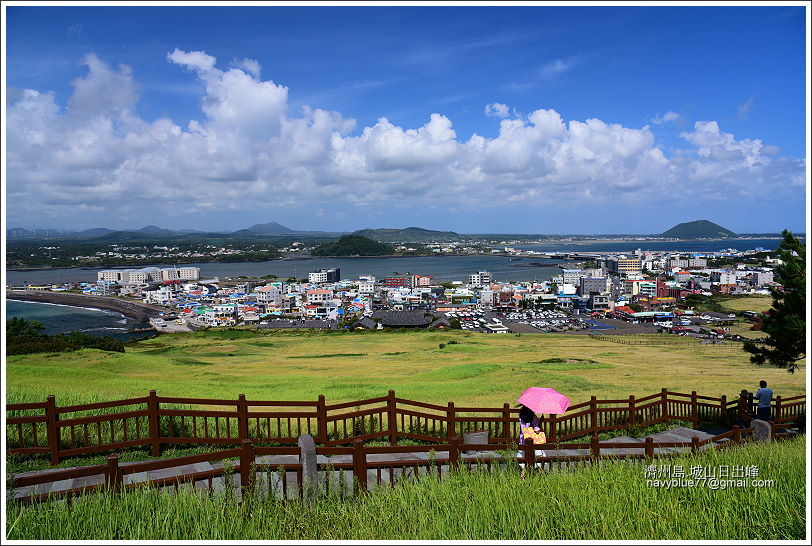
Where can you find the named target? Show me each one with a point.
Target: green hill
(353, 245)
(699, 229)
(410, 234)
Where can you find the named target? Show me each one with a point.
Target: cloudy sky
(474, 119)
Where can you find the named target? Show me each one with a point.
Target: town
(643, 291)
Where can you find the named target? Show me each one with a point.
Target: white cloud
(249, 65)
(667, 117)
(192, 60)
(497, 110)
(559, 66)
(246, 152)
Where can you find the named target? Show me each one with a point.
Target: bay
(60, 319)
(442, 268)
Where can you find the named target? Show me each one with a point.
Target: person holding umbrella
(533, 401)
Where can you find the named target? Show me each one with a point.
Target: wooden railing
(447, 457)
(155, 421)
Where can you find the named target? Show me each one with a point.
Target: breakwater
(136, 310)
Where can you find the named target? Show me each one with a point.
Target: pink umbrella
(544, 400)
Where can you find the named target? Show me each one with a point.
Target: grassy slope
(747, 303)
(481, 370)
(613, 502)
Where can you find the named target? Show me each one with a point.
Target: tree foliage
(353, 245)
(785, 322)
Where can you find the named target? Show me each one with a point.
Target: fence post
(451, 421)
(529, 454)
(553, 432)
(113, 479)
(593, 413)
(632, 411)
(695, 444)
(246, 459)
(392, 418)
(694, 409)
(454, 452)
(506, 422)
(664, 403)
(594, 446)
(154, 424)
(737, 434)
(321, 419)
(777, 413)
(649, 447)
(723, 420)
(359, 461)
(52, 431)
(242, 417)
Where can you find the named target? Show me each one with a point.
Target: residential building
(325, 275)
(624, 265)
(482, 278)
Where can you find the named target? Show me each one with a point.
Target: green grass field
(747, 303)
(481, 369)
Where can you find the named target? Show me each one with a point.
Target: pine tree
(785, 323)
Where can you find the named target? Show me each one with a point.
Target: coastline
(135, 310)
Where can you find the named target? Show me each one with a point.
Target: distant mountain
(271, 228)
(353, 245)
(18, 233)
(411, 234)
(94, 232)
(699, 229)
(155, 230)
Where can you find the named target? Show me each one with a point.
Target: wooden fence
(359, 465)
(155, 421)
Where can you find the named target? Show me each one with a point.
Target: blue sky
(497, 119)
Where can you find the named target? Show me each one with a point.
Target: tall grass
(607, 502)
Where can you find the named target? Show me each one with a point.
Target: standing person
(530, 427)
(764, 397)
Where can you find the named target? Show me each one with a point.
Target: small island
(353, 245)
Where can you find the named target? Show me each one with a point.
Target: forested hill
(354, 245)
(699, 229)
(411, 234)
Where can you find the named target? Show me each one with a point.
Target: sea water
(60, 319)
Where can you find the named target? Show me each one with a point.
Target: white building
(482, 278)
(149, 274)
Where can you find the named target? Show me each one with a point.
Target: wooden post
(154, 422)
(694, 409)
(664, 404)
(632, 411)
(359, 461)
(113, 479)
(593, 413)
(506, 422)
(553, 432)
(529, 454)
(694, 444)
(242, 417)
(451, 422)
(594, 446)
(52, 430)
(737, 434)
(454, 452)
(392, 418)
(723, 420)
(777, 413)
(246, 459)
(321, 419)
(649, 447)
